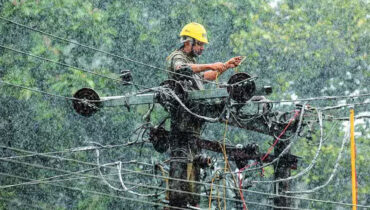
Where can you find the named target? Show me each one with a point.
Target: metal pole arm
(159, 137)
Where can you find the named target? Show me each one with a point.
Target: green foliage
(93, 202)
(301, 48)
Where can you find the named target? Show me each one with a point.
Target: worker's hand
(219, 67)
(233, 62)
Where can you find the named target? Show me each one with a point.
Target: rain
(92, 117)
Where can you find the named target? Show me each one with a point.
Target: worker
(185, 127)
(193, 38)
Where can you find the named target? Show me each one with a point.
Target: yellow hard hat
(196, 31)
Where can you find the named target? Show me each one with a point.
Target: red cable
(264, 157)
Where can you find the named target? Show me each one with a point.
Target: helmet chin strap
(192, 42)
(194, 54)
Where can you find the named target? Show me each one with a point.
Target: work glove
(233, 62)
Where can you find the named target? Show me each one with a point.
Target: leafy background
(301, 48)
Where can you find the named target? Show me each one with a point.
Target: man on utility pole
(185, 128)
(189, 105)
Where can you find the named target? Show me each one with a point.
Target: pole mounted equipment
(87, 102)
(234, 102)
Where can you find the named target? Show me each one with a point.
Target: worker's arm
(197, 68)
(211, 75)
(216, 69)
(211, 71)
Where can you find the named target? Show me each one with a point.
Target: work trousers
(183, 172)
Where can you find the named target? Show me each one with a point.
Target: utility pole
(227, 103)
(282, 170)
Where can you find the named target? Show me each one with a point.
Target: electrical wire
(249, 202)
(96, 192)
(347, 118)
(68, 172)
(313, 162)
(210, 194)
(51, 94)
(85, 101)
(227, 167)
(217, 119)
(202, 183)
(156, 89)
(50, 179)
(173, 94)
(218, 198)
(72, 150)
(328, 135)
(74, 173)
(60, 158)
(322, 98)
(119, 168)
(344, 105)
(46, 179)
(69, 66)
(146, 186)
(50, 168)
(331, 98)
(114, 55)
(60, 63)
(244, 190)
(102, 51)
(314, 99)
(160, 89)
(286, 149)
(57, 157)
(344, 142)
(42, 181)
(64, 97)
(141, 63)
(38, 91)
(85, 148)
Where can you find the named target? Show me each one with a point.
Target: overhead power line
(76, 149)
(313, 162)
(146, 186)
(48, 179)
(101, 51)
(282, 101)
(321, 98)
(98, 193)
(310, 99)
(38, 91)
(345, 105)
(151, 66)
(78, 44)
(56, 95)
(347, 118)
(51, 179)
(334, 171)
(195, 182)
(158, 89)
(44, 181)
(50, 168)
(230, 199)
(60, 63)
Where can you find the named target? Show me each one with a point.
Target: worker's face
(198, 47)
